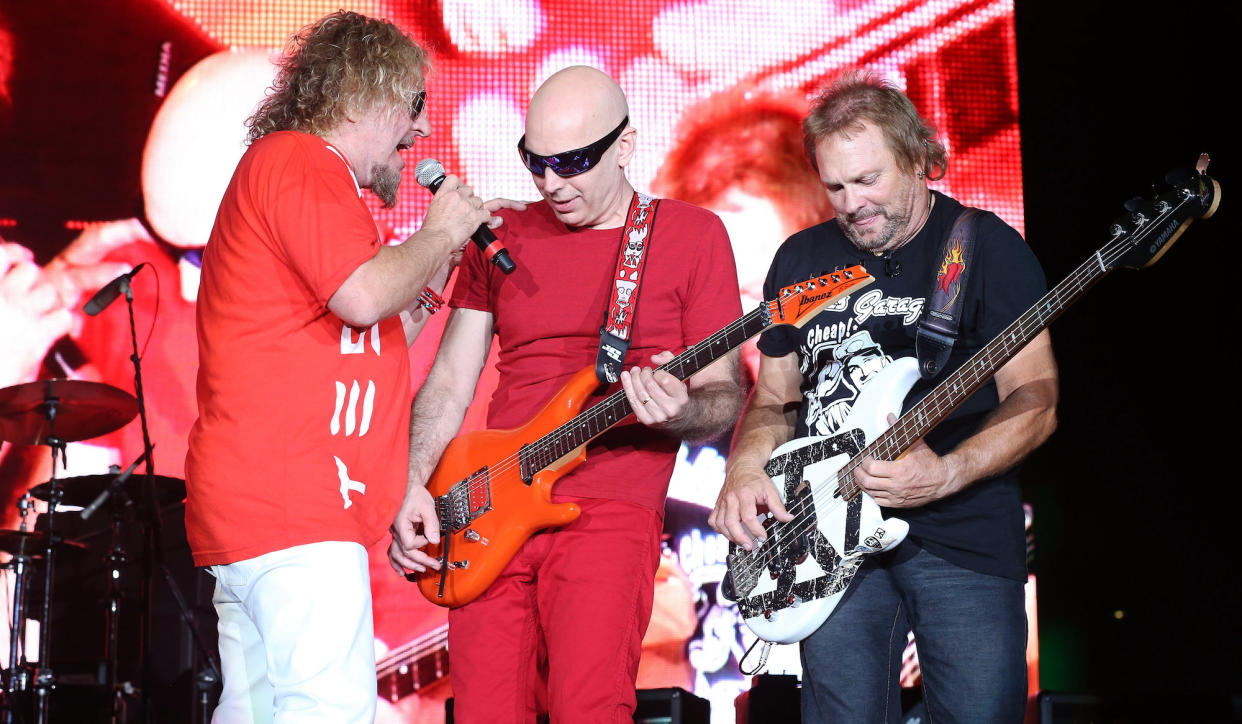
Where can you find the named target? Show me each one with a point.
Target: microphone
(430, 174)
(109, 293)
(119, 480)
(892, 267)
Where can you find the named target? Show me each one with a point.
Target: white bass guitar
(787, 586)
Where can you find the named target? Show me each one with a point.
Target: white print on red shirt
(350, 406)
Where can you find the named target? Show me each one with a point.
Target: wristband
(430, 300)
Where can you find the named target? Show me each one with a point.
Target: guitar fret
(574, 433)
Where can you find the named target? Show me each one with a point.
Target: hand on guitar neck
(658, 398)
(691, 411)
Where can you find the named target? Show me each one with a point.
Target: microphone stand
(153, 545)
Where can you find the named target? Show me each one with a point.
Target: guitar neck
(602, 416)
(967, 379)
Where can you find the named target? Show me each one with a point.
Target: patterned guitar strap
(937, 330)
(614, 336)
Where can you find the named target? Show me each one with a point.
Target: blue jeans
(970, 629)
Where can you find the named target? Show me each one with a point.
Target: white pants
(297, 641)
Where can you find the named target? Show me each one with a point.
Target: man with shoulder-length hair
(304, 319)
(957, 579)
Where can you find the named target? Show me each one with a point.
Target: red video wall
(120, 125)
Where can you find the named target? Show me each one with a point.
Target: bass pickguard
(806, 541)
(788, 585)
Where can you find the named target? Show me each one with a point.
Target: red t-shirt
(548, 312)
(302, 432)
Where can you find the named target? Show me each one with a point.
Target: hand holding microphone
(430, 174)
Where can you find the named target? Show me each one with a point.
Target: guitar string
(615, 406)
(897, 437)
(1073, 284)
(900, 436)
(546, 445)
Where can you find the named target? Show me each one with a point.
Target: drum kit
(54, 413)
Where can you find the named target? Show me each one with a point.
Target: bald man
(561, 627)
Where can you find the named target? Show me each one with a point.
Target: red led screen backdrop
(115, 112)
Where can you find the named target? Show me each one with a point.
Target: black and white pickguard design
(788, 585)
(802, 539)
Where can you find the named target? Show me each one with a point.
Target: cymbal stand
(153, 544)
(17, 678)
(117, 559)
(45, 678)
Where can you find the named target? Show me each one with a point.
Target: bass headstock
(797, 303)
(1151, 225)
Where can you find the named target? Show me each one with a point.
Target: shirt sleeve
(779, 340)
(321, 226)
(714, 299)
(1011, 281)
(471, 289)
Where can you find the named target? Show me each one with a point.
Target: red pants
(560, 629)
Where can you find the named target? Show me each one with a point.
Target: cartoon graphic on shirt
(854, 361)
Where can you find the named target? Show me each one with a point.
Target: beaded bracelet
(430, 300)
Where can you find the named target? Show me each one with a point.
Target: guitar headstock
(797, 303)
(1152, 225)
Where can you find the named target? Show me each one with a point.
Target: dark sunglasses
(417, 103)
(570, 163)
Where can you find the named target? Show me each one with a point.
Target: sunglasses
(570, 163)
(417, 103)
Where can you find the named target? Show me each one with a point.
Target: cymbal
(83, 489)
(31, 544)
(83, 410)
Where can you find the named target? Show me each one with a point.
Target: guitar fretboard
(616, 407)
(967, 379)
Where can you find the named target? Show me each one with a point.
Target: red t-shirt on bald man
(548, 312)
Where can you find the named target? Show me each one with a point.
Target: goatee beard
(384, 184)
(884, 236)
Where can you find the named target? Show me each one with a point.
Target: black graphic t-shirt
(839, 350)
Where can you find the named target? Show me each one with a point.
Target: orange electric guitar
(492, 488)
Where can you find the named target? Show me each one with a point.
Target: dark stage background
(1133, 494)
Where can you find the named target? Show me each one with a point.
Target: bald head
(574, 107)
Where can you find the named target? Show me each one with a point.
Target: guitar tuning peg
(1135, 204)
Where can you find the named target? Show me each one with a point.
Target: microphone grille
(427, 171)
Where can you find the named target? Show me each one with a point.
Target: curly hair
(747, 140)
(857, 96)
(340, 64)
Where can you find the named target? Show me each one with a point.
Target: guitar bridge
(465, 501)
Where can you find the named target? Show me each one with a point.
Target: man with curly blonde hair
(304, 319)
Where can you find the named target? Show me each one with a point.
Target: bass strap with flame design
(937, 330)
